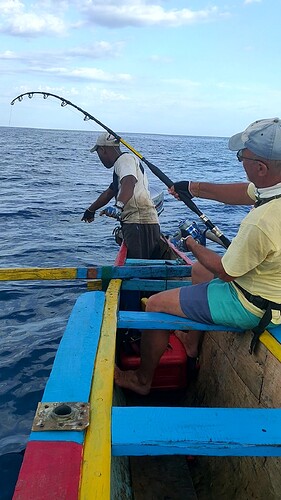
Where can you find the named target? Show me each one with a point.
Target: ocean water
(47, 179)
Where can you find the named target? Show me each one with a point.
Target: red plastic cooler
(171, 372)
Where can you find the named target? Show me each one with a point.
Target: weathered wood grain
(229, 376)
(159, 478)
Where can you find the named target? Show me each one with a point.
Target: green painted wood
(149, 262)
(151, 271)
(138, 431)
(153, 285)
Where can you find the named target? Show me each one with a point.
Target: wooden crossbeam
(153, 285)
(154, 321)
(149, 262)
(138, 431)
(97, 272)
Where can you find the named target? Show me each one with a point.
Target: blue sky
(145, 66)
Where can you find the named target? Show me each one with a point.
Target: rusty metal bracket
(61, 417)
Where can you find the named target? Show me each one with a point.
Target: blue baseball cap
(263, 137)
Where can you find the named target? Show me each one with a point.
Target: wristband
(119, 204)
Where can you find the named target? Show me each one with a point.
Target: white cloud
(138, 13)
(16, 19)
(23, 18)
(83, 73)
(109, 96)
(95, 51)
(9, 55)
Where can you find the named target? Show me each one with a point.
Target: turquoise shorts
(226, 308)
(216, 302)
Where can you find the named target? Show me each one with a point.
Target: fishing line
(163, 177)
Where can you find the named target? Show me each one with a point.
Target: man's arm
(102, 200)
(127, 189)
(230, 193)
(208, 258)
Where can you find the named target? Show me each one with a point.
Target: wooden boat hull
(230, 377)
(215, 419)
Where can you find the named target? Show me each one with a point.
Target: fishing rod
(184, 196)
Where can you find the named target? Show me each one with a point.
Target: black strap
(258, 301)
(262, 201)
(266, 306)
(259, 329)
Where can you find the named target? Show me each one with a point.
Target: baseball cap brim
(235, 142)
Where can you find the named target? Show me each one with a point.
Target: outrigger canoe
(91, 440)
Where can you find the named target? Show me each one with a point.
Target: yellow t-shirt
(254, 256)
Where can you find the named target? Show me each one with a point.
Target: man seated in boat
(133, 204)
(242, 288)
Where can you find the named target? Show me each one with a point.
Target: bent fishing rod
(184, 196)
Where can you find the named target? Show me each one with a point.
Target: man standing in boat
(242, 288)
(133, 205)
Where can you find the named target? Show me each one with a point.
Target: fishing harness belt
(265, 305)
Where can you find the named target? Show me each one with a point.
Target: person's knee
(152, 304)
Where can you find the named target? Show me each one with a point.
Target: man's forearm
(102, 200)
(208, 258)
(232, 194)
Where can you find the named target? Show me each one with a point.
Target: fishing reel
(185, 228)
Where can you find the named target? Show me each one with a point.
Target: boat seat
(155, 321)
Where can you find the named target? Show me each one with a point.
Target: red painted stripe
(180, 254)
(121, 256)
(50, 470)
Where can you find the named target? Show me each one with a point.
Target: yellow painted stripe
(34, 273)
(271, 344)
(95, 480)
(94, 285)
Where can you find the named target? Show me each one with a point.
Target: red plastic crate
(171, 372)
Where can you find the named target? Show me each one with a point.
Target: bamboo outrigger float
(84, 434)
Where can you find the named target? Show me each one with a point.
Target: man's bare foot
(129, 380)
(187, 340)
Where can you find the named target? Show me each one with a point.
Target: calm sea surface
(47, 180)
